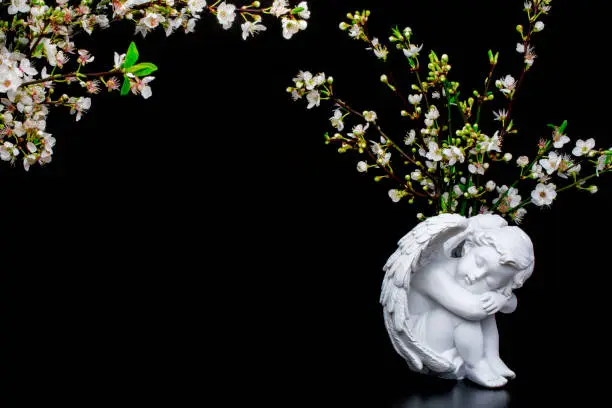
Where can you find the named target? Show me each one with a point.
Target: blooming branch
(446, 154)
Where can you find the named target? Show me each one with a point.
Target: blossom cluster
(44, 66)
(444, 161)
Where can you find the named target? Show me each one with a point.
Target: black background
(207, 237)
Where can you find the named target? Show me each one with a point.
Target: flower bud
(256, 4)
(384, 79)
(344, 26)
(519, 28)
(404, 113)
(508, 157)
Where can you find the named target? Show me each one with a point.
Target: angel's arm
(442, 288)
(510, 305)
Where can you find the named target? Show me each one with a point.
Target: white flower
(336, 120)
(539, 26)
(501, 115)
(314, 99)
(490, 143)
(20, 6)
(490, 186)
(9, 81)
(379, 50)
(511, 199)
(250, 28)
(415, 99)
(601, 162)
(25, 67)
(226, 14)
(119, 60)
(291, 26)
(81, 106)
(362, 167)
(472, 190)
(305, 14)
(559, 139)
(355, 31)
(434, 152)
(583, 147)
(409, 139)
(279, 8)
(395, 195)
(416, 175)
(383, 158)
(457, 190)
(413, 51)
(433, 113)
(530, 55)
(507, 157)
(476, 168)
(519, 215)
(453, 154)
(506, 84)
(551, 163)
(520, 48)
(544, 194)
(369, 116)
(196, 6)
(435, 95)
(359, 130)
(152, 20)
(522, 161)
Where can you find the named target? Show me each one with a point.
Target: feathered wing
(415, 249)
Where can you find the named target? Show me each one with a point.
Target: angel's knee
(441, 329)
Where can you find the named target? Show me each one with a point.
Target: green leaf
(142, 69)
(297, 10)
(131, 56)
(563, 126)
(125, 88)
(443, 203)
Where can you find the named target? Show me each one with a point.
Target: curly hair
(513, 246)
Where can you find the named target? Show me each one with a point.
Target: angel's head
(502, 257)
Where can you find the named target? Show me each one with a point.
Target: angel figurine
(443, 286)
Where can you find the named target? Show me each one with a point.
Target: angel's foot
(498, 366)
(482, 374)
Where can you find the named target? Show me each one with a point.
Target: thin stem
(484, 95)
(378, 128)
(70, 75)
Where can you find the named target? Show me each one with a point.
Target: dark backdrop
(207, 237)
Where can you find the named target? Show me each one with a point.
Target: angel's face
(481, 271)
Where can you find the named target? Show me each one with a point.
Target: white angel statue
(443, 286)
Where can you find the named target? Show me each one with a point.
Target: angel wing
(440, 233)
